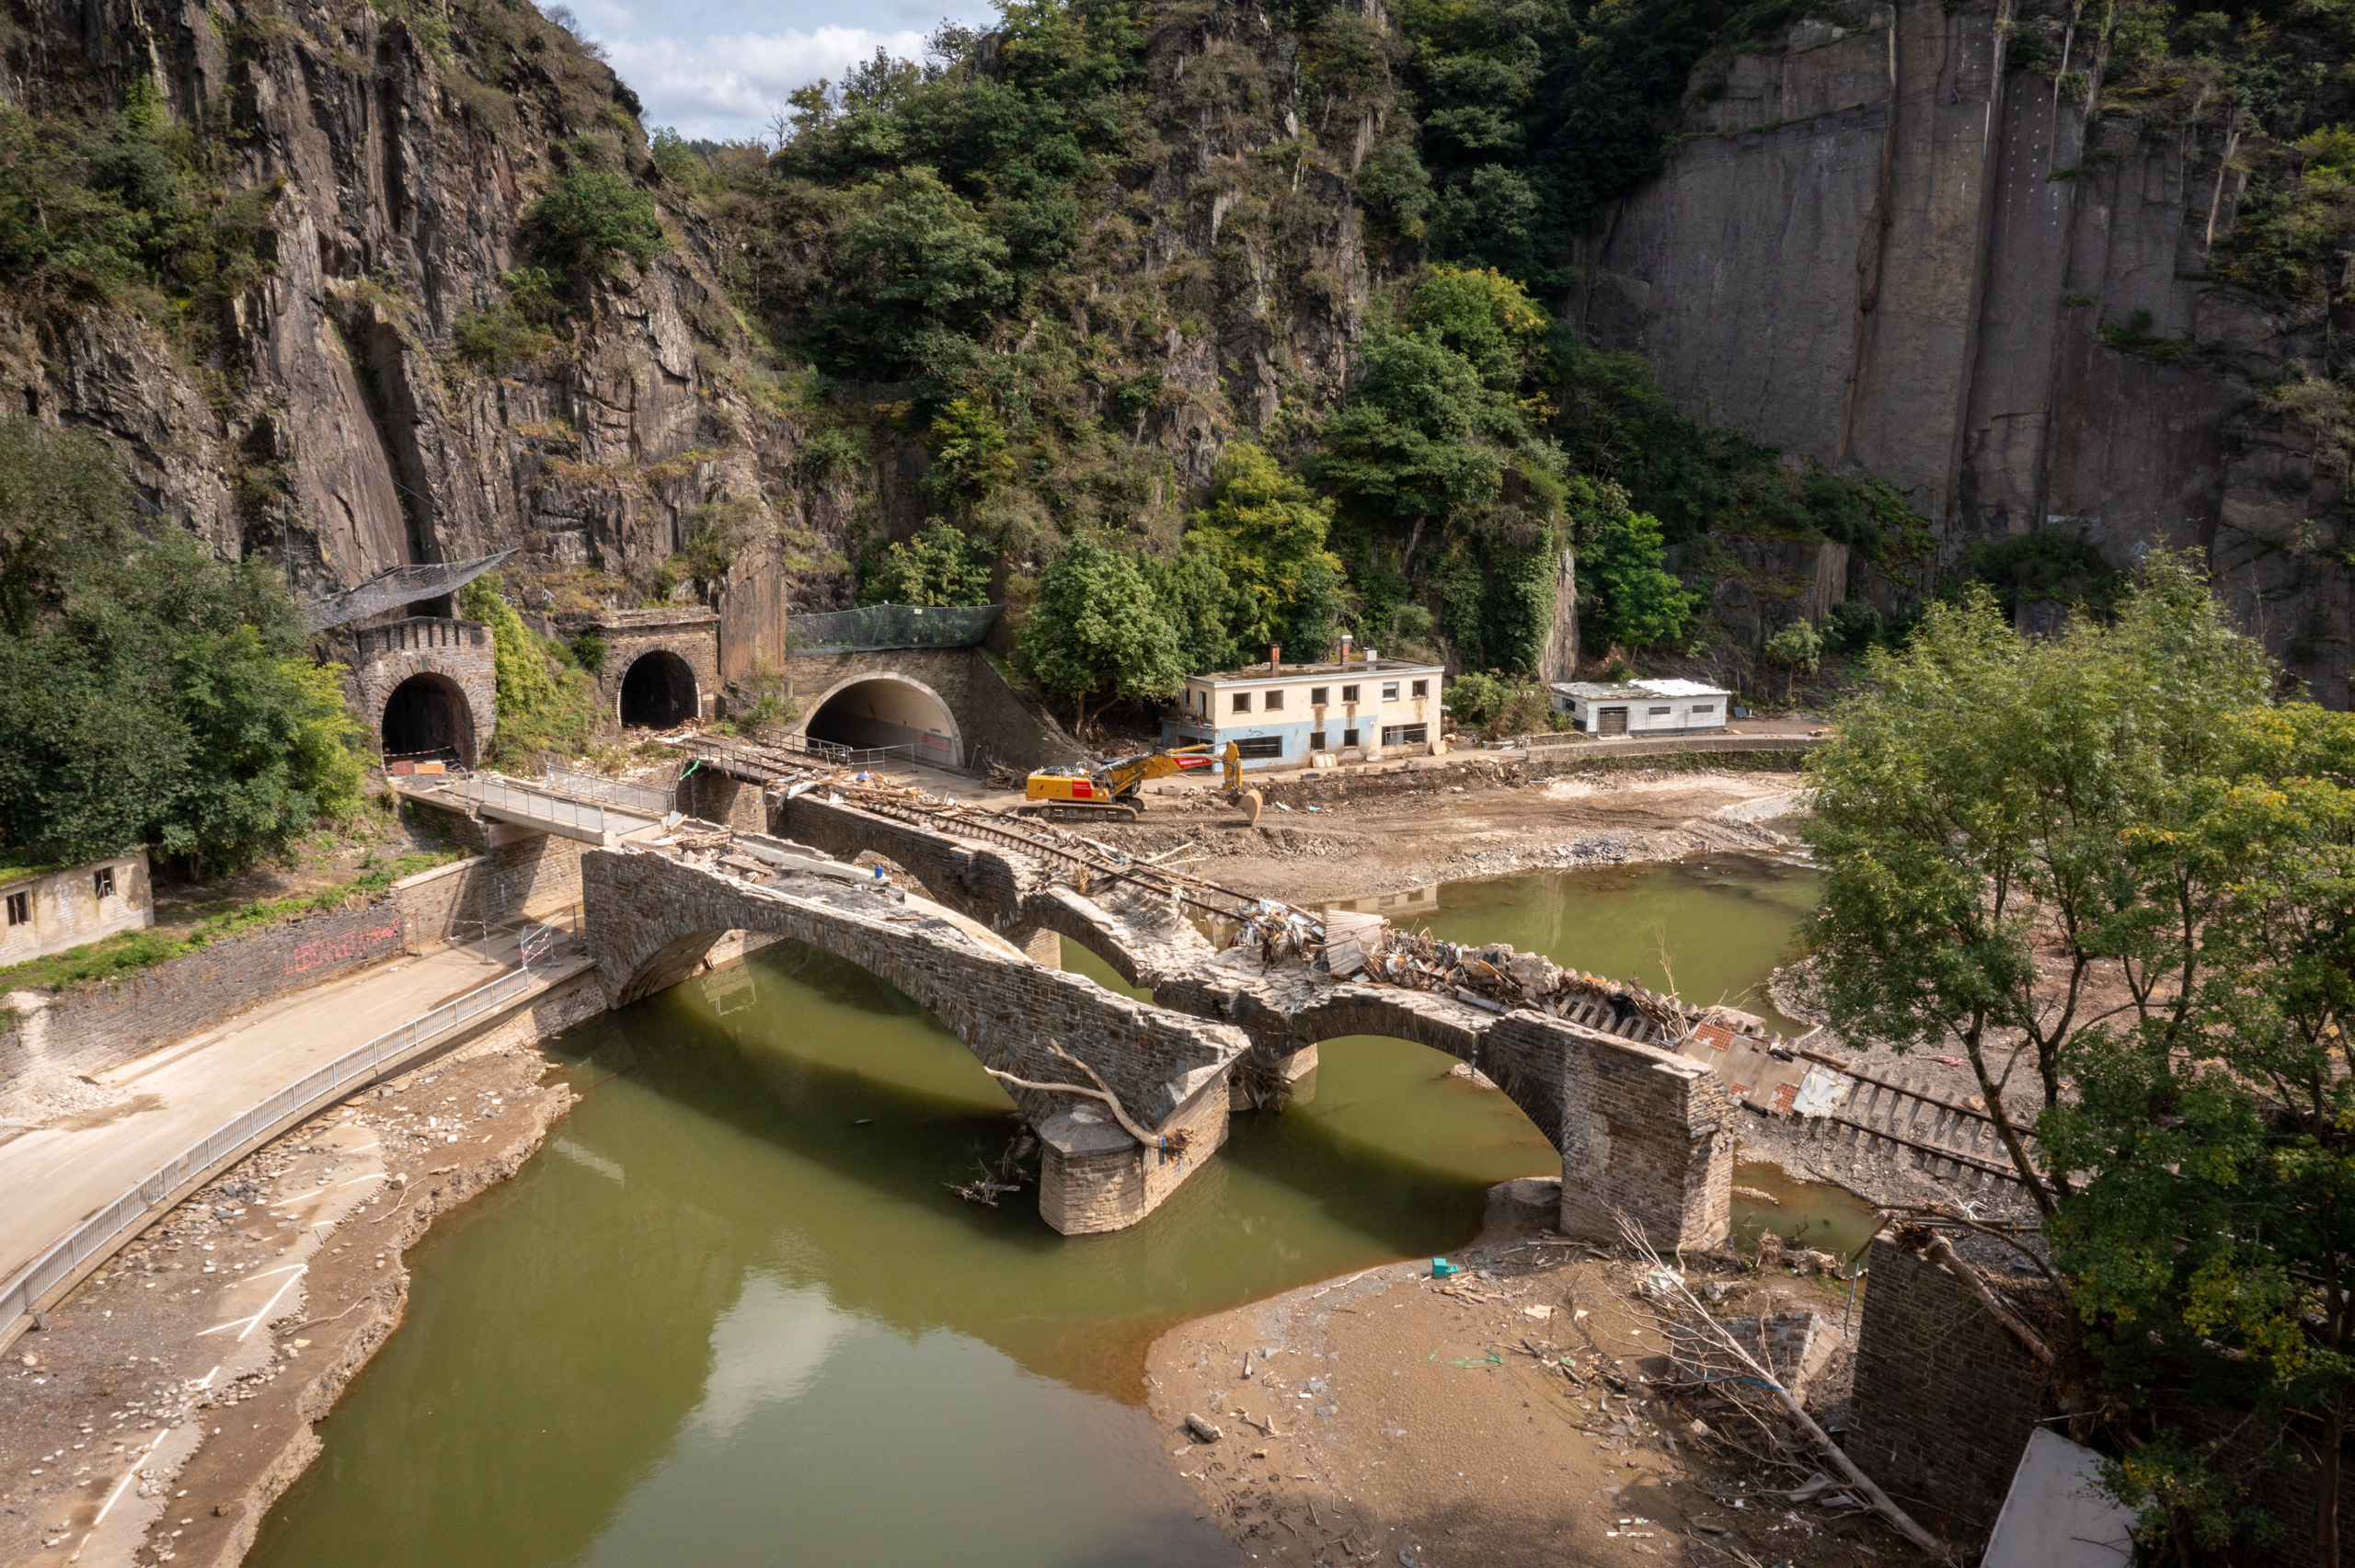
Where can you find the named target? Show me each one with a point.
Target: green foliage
(838, 450)
(501, 337)
(1265, 532)
(2044, 565)
(1796, 647)
(764, 703)
(969, 455)
(921, 272)
(2136, 338)
(1627, 597)
(590, 221)
(590, 651)
(546, 702)
(1496, 706)
(149, 693)
(1854, 626)
(1535, 114)
(939, 566)
(1999, 822)
(1098, 630)
(89, 212)
(125, 953)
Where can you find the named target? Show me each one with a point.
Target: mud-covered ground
(170, 1399)
(1320, 839)
(1518, 1414)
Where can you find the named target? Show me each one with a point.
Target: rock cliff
(1877, 244)
(322, 411)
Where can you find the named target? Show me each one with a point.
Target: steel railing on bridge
(544, 807)
(771, 759)
(654, 800)
(99, 1234)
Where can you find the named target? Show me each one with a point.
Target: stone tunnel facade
(439, 668)
(652, 916)
(661, 664)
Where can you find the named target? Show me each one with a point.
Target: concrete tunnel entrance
(876, 711)
(659, 692)
(427, 719)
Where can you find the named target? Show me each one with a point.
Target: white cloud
(727, 85)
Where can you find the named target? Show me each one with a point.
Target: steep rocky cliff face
(1877, 244)
(318, 408)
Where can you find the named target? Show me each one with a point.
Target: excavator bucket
(1249, 800)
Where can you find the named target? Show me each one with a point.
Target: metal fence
(875, 626)
(95, 1236)
(542, 806)
(937, 750)
(654, 800)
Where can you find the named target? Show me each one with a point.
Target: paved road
(53, 1178)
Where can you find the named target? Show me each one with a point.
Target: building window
(1405, 734)
(1390, 691)
(1422, 688)
(102, 881)
(1243, 701)
(1660, 713)
(1274, 701)
(1317, 740)
(1704, 708)
(1349, 693)
(20, 907)
(1349, 737)
(1320, 695)
(1261, 746)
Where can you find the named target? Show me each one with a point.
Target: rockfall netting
(872, 627)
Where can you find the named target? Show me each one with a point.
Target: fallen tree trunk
(1897, 1517)
(1167, 1143)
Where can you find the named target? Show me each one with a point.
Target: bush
(589, 221)
(1853, 627)
(150, 693)
(545, 704)
(500, 337)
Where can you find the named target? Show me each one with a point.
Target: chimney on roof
(1275, 659)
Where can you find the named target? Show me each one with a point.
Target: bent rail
(26, 1294)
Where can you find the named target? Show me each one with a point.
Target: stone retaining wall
(518, 875)
(1945, 1396)
(988, 710)
(90, 1028)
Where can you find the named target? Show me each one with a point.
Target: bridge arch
(887, 707)
(427, 714)
(658, 690)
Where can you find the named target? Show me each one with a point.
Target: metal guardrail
(653, 800)
(545, 805)
(873, 627)
(21, 1296)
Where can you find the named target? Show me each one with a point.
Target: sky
(721, 68)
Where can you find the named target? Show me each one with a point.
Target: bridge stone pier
(652, 914)
(1642, 1131)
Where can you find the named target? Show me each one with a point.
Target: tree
(588, 220)
(2113, 861)
(1098, 631)
(1266, 531)
(939, 566)
(1627, 596)
(150, 693)
(1795, 647)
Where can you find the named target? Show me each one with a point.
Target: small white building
(1643, 707)
(1282, 714)
(53, 908)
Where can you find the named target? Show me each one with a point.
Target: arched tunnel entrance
(427, 719)
(889, 710)
(659, 692)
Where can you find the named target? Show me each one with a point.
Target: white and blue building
(1281, 714)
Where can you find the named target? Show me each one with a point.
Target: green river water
(731, 1314)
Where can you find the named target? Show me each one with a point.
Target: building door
(1614, 721)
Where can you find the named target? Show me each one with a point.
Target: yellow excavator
(1111, 788)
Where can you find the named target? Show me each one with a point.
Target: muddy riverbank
(1516, 1414)
(172, 1397)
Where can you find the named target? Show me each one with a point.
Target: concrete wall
(90, 1028)
(521, 875)
(63, 908)
(1945, 1396)
(991, 715)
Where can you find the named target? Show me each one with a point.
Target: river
(731, 1314)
